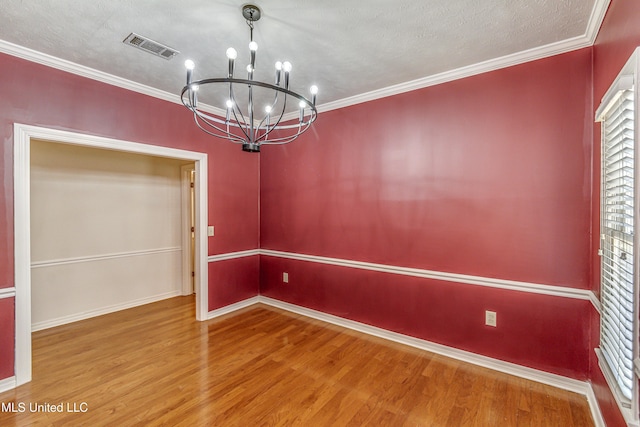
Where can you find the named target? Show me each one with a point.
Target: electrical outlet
(285, 277)
(210, 231)
(490, 318)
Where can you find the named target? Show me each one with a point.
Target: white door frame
(22, 136)
(185, 194)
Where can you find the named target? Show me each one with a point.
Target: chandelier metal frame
(251, 130)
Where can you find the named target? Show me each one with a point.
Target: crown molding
(462, 72)
(91, 73)
(579, 42)
(587, 39)
(598, 13)
(81, 70)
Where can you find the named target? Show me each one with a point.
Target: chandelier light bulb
(286, 66)
(229, 109)
(267, 109)
(249, 68)
(189, 65)
(278, 72)
(195, 88)
(314, 90)
(253, 47)
(302, 105)
(232, 53)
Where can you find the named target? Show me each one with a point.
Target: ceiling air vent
(150, 46)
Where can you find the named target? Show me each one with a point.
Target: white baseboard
(598, 420)
(576, 386)
(7, 384)
(38, 326)
(581, 387)
(233, 307)
(465, 356)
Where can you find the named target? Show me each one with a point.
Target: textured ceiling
(346, 47)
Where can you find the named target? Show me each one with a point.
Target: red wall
(618, 37)
(37, 95)
(7, 326)
(486, 176)
(233, 280)
(494, 175)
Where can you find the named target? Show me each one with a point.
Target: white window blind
(617, 228)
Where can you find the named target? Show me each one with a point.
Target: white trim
(7, 384)
(598, 419)
(81, 70)
(234, 255)
(626, 80)
(581, 387)
(588, 39)
(518, 58)
(233, 307)
(598, 13)
(38, 326)
(595, 302)
(593, 26)
(22, 251)
(202, 241)
(185, 221)
(576, 386)
(624, 405)
(22, 135)
(512, 285)
(93, 74)
(74, 138)
(7, 293)
(76, 260)
(623, 82)
(454, 353)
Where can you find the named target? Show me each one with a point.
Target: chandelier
(256, 113)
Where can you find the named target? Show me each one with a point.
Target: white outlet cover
(490, 318)
(210, 231)
(285, 277)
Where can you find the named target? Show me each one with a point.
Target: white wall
(105, 231)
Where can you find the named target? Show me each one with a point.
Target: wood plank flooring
(156, 365)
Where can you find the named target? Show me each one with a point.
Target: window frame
(626, 79)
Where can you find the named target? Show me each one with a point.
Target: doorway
(106, 231)
(23, 134)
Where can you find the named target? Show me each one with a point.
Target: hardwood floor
(156, 365)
